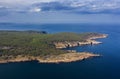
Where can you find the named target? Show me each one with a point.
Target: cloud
(78, 6)
(52, 6)
(35, 9)
(26, 2)
(3, 11)
(74, 6)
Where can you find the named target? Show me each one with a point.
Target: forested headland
(37, 43)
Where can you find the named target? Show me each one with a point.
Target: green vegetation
(34, 43)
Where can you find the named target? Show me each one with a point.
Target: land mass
(18, 46)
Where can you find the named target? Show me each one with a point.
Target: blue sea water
(105, 67)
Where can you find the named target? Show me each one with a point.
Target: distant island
(20, 46)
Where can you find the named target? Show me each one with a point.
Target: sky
(60, 11)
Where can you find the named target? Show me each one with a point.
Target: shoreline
(89, 41)
(68, 56)
(62, 58)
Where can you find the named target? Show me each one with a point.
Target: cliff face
(98, 36)
(91, 40)
(73, 44)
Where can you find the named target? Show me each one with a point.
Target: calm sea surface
(105, 67)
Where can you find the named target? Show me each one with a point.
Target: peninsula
(20, 46)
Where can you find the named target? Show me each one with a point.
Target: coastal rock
(89, 41)
(69, 57)
(65, 58)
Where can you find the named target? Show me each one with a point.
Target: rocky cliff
(89, 41)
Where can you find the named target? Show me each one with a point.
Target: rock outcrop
(88, 41)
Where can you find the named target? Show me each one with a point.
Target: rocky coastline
(70, 56)
(89, 41)
(62, 58)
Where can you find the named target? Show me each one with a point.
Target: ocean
(105, 67)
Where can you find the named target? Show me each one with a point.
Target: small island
(20, 46)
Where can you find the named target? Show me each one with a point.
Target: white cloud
(35, 9)
(72, 11)
(24, 1)
(1, 6)
(65, 5)
(21, 5)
